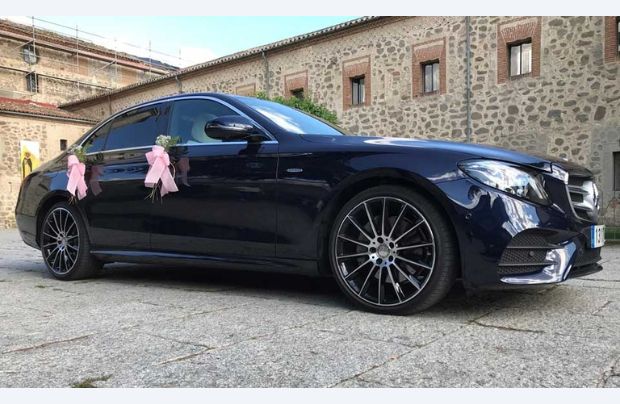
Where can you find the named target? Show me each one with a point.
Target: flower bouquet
(160, 177)
(76, 168)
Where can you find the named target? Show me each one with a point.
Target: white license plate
(597, 236)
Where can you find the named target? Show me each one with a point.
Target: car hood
(468, 150)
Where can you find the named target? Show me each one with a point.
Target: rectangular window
(136, 128)
(520, 59)
(30, 54)
(32, 82)
(430, 71)
(357, 91)
(298, 93)
(618, 32)
(616, 171)
(63, 144)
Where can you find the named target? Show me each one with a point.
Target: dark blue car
(395, 221)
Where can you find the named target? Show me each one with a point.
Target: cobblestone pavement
(161, 326)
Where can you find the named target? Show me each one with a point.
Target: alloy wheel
(60, 241)
(385, 251)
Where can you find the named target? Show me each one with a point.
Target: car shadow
(293, 287)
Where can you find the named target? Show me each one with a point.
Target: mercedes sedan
(260, 186)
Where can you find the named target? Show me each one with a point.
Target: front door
(225, 203)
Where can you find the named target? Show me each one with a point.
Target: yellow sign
(29, 157)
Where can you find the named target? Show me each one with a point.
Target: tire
(406, 263)
(65, 245)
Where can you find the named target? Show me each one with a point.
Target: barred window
(32, 82)
(29, 52)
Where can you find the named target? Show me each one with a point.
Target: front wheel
(65, 246)
(392, 251)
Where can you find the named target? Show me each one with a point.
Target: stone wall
(47, 132)
(59, 71)
(568, 107)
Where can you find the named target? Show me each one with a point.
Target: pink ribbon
(159, 161)
(95, 173)
(75, 172)
(183, 167)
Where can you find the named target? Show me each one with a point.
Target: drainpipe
(179, 84)
(468, 130)
(266, 63)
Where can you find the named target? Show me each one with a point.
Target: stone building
(538, 84)
(38, 70)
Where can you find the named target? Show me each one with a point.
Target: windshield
(292, 120)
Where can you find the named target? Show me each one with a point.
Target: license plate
(597, 236)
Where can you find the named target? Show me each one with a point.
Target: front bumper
(536, 257)
(507, 242)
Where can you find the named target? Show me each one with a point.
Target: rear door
(118, 214)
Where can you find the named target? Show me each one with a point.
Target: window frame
(161, 114)
(618, 35)
(360, 83)
(62, 144)
(163, 103)
(32, 79)
(296, 91)
(432, 64)
(616, 171)
(28, 51)
(519, 44)
(174, 105)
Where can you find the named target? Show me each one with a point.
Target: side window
(137, 128)
(189, 118)
(96, 142)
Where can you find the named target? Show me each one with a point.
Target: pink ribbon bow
(159, 161)
(183, 167)
(95, 172)
(75, 172)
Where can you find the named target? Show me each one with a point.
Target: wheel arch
(45, 205)
(372, 178)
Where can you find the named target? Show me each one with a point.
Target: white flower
(163, 140)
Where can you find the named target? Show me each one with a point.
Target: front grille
(583, 197)
(525, 254)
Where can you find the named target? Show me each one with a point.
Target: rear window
(134, 129)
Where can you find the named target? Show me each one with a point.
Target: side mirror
(232, 127)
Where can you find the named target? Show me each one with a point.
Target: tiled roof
(40, 109)
(235, 56)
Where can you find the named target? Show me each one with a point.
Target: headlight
(510, 178)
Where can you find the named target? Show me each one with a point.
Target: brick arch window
(248, 90)
(612, 39)
(296, 84)
(518, 49)
(429, 67)
(356, 82)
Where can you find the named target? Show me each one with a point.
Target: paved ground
(156, 326)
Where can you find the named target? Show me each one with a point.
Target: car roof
(222, 96)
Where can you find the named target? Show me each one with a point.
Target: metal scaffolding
(41, 29)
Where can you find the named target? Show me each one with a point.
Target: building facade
(40, 69)
(538, 84)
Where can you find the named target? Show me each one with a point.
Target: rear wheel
(392, 251)
(65, 245)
